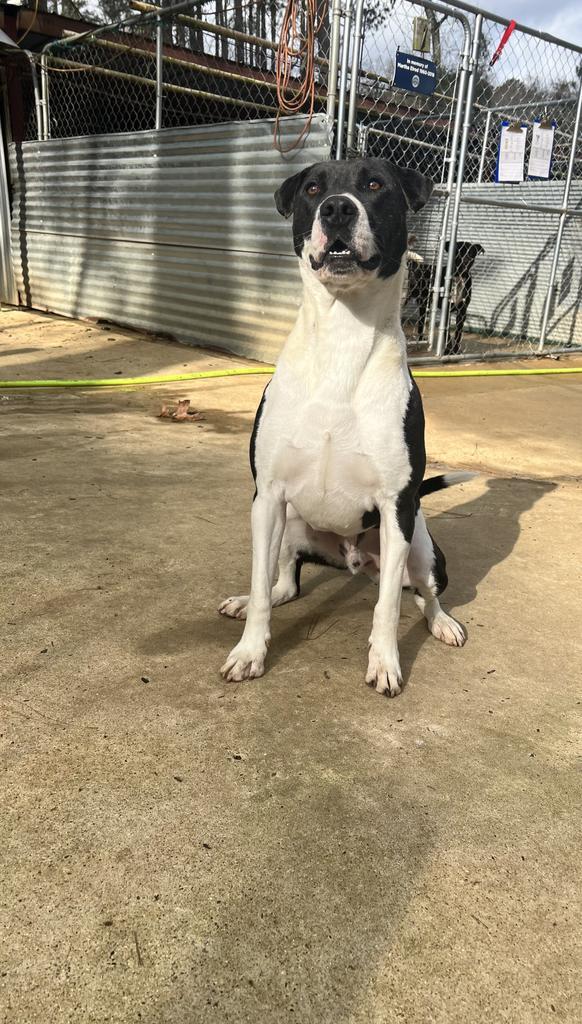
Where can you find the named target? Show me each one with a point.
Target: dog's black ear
(286, 193)
(417, 187)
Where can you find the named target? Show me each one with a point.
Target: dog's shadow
(476, 535)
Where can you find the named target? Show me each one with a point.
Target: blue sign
(415, 74)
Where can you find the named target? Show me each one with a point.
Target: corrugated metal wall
(176, 232)
(173, 231)
(510, 280)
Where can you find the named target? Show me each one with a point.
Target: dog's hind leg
(300, 544)
(428, 577)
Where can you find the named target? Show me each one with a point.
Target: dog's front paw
(235, 607)
(444, 627)
(245, 661)
(384, 672)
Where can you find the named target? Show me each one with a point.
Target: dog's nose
(337, 212)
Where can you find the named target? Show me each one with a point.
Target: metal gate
(511, 250)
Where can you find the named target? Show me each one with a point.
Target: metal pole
(355, 75)
(37, 96)
(168, 86)
(484, 147)
(452, 159)
(8, 290)
(159, 72)
(336, 14)
(562, 223)
(459, 186)
(411, 142)
(482, 357)
(341, 107)
(535, 103)
(44, 84)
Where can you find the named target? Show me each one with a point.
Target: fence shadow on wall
(505, 317)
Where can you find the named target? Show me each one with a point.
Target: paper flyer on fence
(511, 157)
(542, 145)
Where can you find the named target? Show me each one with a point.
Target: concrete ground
(296, 848)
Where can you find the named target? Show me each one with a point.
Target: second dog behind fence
(421, 283)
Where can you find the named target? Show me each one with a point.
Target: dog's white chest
(325, 466)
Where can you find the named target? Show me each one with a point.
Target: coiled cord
(296, 51)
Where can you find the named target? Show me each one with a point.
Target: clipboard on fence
(541, 154)
(510, 164)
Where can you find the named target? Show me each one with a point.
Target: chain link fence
(517, 301)
(190, 64)
(493, 264)
(410, 128)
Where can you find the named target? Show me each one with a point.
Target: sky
(562, 18)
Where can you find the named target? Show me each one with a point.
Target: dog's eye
(374, 185)
(312, 189)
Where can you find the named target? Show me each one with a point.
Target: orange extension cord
(296, 52)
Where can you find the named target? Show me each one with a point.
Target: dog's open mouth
(339, 251)
(340, 258)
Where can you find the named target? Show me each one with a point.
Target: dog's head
(349, 217)
(465, 255)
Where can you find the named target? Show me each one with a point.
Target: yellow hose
(244, 371)
(248, 371)
(117, 382)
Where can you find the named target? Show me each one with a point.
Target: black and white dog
(337, 450)
(421, 282)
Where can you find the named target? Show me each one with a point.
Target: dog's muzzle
(339, 252)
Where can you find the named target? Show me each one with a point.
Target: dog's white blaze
(363, 237)
(318, 237)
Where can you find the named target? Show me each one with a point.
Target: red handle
(504, 38)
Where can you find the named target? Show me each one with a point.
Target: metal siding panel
(173, 231)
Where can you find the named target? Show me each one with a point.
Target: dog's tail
(437, 483)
